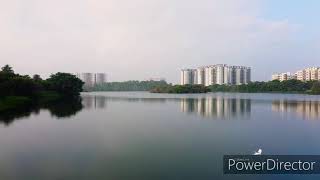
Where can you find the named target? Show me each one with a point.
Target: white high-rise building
(210, 74)
(240, 76)
(307, 74)
(201, 75)
(220, 74)
(301, 75)
(100, 78)
(311, 73)
(87, 78)
(188, 76)
(216, 74)
(91, 79)
(227, 74)
(247, 75)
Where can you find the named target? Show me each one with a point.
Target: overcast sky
(141, 39)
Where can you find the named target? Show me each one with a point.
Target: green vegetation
(11, 102)
(64, 83)
(129, 86)
(290, 86)
(48, 96)
(20, 91)
(180, 89)
(315, 88)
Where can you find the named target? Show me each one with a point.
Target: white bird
(259, 152)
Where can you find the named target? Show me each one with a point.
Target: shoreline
(283, 93)
(15, 102)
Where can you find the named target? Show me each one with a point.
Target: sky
(142, 39)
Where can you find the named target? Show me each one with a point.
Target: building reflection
(216, 107)
(224, 108)
(306, 109)
(94, 102)
(100, 102)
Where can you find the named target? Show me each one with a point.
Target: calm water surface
(138, 135)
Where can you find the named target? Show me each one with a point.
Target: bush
(65, 84)
(291, 86)
(315, 88)
(18, 86)
(181, 89)
(129, 86)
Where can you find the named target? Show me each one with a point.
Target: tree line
(22, 91)
(289, 86)
(129, 86)
(12, 84)
(180, 89)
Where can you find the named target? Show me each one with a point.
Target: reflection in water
(151, 138)
(100, 102)
(306, 109)
(64, 108)
(60, 109)
(217, 107)
(94, 102)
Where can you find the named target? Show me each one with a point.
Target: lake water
(138, 135)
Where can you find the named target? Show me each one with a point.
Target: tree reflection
(100, 102)
(217, 107)
(64, 108)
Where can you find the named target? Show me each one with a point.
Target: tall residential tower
(216, 74)
(188, 76)
(92, 79)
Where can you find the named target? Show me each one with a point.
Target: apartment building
(216, 74)
(307, 74)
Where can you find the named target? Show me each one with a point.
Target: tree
(315, 88)
(180, 89)
(66, 84)
(129, 86)
(7, 69)
(37, 78)
(19, 86)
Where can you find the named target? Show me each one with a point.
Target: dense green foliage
(290, 86)
(12, 84)
(7, 69)
(65, 83)
(315, 88)
(129, 86)
(17, 90)
(179, 89)
(11, 102)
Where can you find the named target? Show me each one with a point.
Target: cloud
(137, 39)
